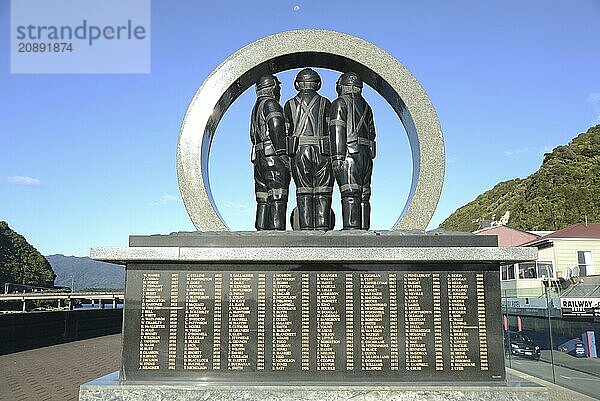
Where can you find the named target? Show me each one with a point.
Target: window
(584, 262)
(529, 270)
(544, 269)
(507, 272)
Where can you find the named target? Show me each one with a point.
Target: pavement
(556, 392)
(585, 365)
(54, 373)
(581, 374)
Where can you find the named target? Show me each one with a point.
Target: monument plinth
(288, 307)
(305, 316)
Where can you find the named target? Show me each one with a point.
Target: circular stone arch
(320, 49)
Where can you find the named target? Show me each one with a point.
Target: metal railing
(64, 298)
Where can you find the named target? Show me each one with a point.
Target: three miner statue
(316, 140)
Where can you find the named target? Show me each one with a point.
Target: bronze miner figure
(271, 163)
(352, 133)
(308, 144)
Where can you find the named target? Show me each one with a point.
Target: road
(576, 379)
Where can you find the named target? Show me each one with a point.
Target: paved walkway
(55, 372)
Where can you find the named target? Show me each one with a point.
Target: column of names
(173, 308)
(240, 290)
(349, 322)
(417, 322)
(284, 306)
(260, 329)
(481, 320)
(150, 322)
(394, 357)
(327, 316)
(197, 312)
(437, 322)
(217, 321)
(373, 345)
(460, 331)
(305, 339)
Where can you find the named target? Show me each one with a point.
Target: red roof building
(573, 251)
(576, 231)
(508, 236)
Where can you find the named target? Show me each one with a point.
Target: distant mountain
(564, 191)
(86, 273)
(20, 262)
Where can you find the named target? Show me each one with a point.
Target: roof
(579, 230)
(508, 236)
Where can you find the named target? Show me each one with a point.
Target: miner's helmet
(348, 79)
(307, 78)
(267, 81)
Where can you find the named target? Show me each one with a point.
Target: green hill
(20, 262)
(564, 190)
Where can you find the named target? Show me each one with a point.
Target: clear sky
(87, 159)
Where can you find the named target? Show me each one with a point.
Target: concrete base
(108, 388)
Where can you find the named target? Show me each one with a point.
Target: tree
(20, 262)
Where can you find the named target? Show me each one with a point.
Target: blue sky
(87, 159)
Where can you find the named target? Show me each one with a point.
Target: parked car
(574, 347)
(518, 344)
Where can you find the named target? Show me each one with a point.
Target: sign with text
(80, 36)
(581, 307)
(255, 324)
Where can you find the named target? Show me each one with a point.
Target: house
(508, 236)
(576, 248)
(563, 255)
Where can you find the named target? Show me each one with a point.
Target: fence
(21, 331)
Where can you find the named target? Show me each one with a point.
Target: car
(518, 344)
(574, 347)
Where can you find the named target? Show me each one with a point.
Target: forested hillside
(564, 191)
(20, 262)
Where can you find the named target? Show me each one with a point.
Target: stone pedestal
(108, 388)
(288, 315)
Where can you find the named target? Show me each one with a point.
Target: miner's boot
(365, 209)
(351, 213)
(262, 214)
(323, 212)
(278, 209)
(306, 212)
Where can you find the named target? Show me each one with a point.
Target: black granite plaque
(313, 322)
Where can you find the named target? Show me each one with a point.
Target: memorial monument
(312, 314)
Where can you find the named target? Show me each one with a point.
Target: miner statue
(308, 145)
(352, 133)
(271, 163)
